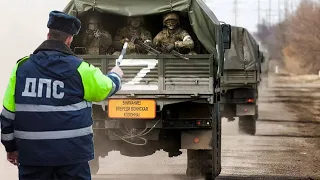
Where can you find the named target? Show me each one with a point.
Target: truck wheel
(94, 165)
(199, 164)
(247, 125)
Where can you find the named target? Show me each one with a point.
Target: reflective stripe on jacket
(47, 106)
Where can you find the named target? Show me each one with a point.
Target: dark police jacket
(46, 112)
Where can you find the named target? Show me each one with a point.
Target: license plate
(132, 108)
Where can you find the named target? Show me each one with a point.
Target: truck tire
(247, 125)
(94, 165)
(199, 164)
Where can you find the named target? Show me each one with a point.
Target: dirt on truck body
(240, 80)
(166, 102)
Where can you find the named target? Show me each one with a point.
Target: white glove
(117, 70)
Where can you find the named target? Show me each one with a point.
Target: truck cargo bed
(163, 75)
(240, 77)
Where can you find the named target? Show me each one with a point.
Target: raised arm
(98, 86)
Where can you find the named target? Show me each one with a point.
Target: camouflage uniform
(97, 41)
(172, 36)
(133, 30)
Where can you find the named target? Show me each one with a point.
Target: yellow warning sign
(132, 108)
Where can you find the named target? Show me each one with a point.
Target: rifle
(176, 53)
(152, 50)
(173, 52)
(146, 46)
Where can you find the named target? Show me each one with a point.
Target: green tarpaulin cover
(244, 51)
(203, 21)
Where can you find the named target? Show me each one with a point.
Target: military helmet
(171, 16)
(94, 18)
(134, 17)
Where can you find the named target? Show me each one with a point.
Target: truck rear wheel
(199, 164)
(94, 165)
(247, 125)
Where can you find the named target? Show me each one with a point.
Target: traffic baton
(123, 52)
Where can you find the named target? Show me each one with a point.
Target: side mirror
(226, 32)
(262, 58)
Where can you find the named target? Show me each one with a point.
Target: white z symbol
(134, 83)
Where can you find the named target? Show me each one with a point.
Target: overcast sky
(23, 28)
(23, 24)
(247, 11)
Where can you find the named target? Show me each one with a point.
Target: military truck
(166, 102)
(240, 80)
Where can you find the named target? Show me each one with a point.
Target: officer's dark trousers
(72, 172)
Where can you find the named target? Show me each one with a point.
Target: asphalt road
(286, 146)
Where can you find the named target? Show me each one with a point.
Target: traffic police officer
(46, 118)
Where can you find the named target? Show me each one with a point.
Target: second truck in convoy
(240, 80)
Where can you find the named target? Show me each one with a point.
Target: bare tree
(297, 39)
(304, 36)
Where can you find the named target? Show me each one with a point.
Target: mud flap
(196, 139)
(247, 124)
(207, 163)
(245, 110)
(216, 140)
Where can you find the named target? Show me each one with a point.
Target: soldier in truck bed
(133, 30)
(173, 36)
(96, 40)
